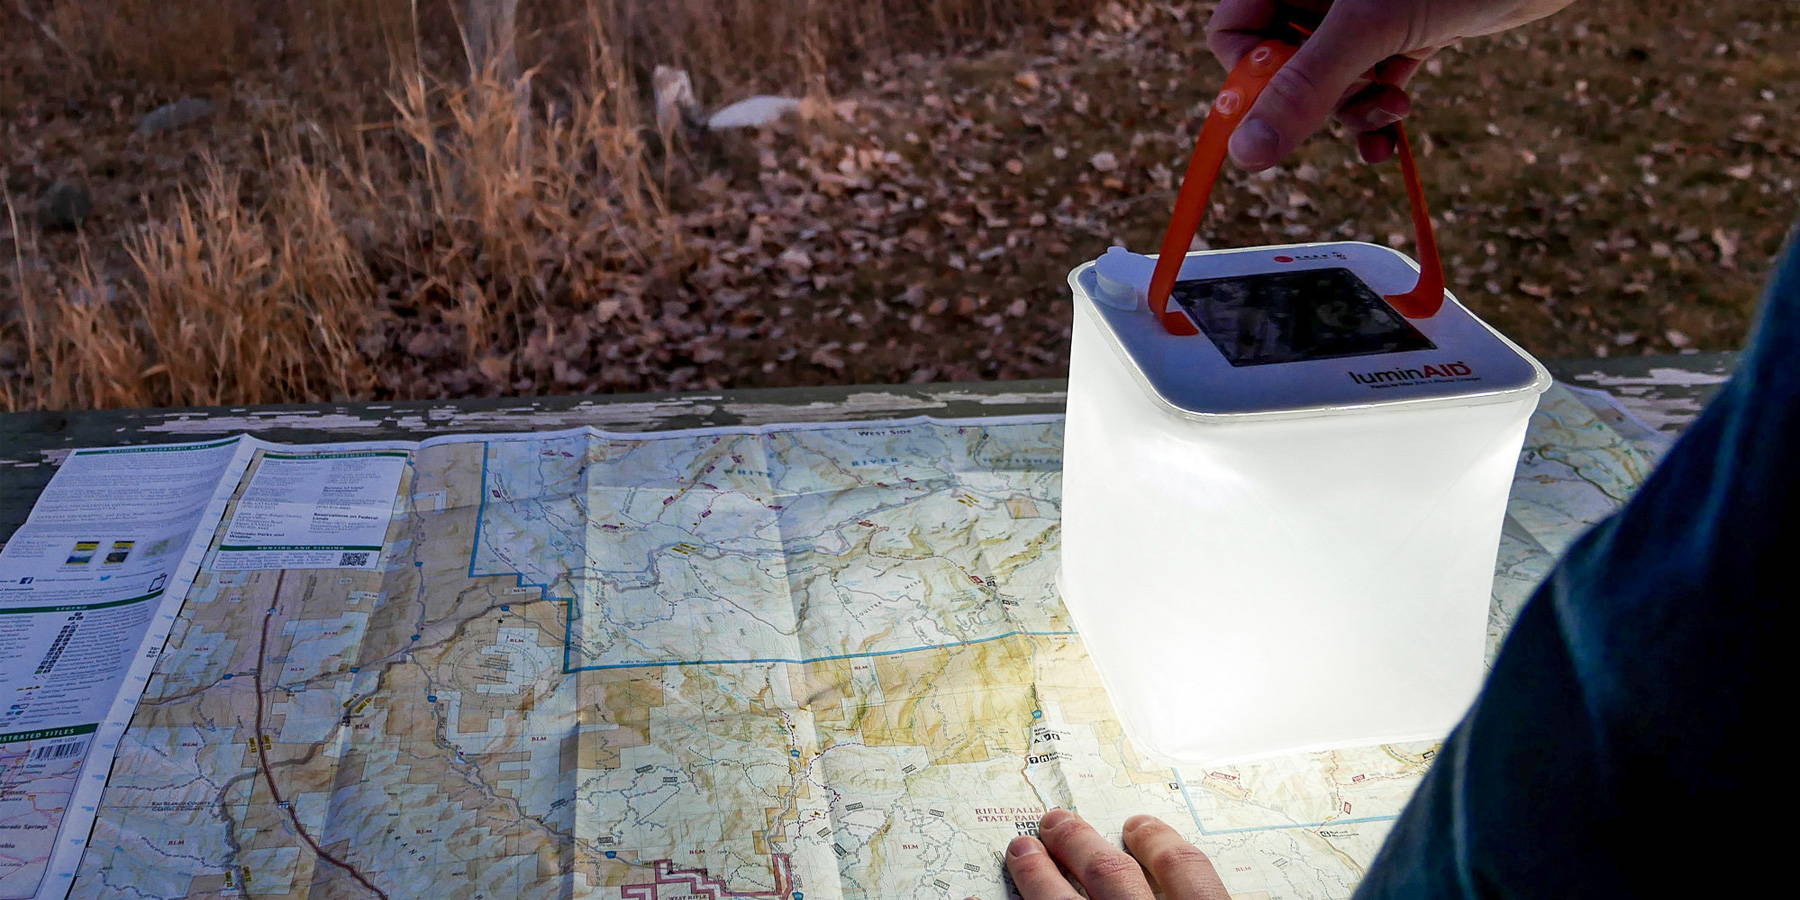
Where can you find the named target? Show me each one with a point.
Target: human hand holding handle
(1355, 64)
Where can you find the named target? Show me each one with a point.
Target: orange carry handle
(1241, 89)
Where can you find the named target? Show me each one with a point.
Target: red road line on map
(262, 754)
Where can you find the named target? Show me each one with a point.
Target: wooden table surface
(1666, 392)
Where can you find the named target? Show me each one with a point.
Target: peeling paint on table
(1665, 392)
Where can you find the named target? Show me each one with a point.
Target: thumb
(1301, 96)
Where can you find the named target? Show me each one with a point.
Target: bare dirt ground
(1612, 181)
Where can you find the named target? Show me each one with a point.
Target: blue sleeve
(1622, 742)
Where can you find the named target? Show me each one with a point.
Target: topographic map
(799, 662)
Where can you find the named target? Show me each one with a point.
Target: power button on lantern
(1119, 276)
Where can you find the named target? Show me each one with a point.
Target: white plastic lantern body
(1268, 573)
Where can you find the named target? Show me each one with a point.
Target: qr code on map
(354, 560)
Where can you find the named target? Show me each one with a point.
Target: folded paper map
(799, 662)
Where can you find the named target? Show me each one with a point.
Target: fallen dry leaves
(1613, 180)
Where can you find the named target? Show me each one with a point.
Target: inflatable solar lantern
(1285, 473)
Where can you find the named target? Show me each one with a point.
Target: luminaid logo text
(1423, 373)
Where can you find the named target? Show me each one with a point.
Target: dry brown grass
(362, 219)
(475, 212)
(223, 308)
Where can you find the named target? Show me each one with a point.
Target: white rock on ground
(752, 112)
(180, 114)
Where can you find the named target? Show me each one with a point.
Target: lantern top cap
(1296, 330)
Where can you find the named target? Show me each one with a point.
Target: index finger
(1237, 26)
(1105, 871)
(1181, 870)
